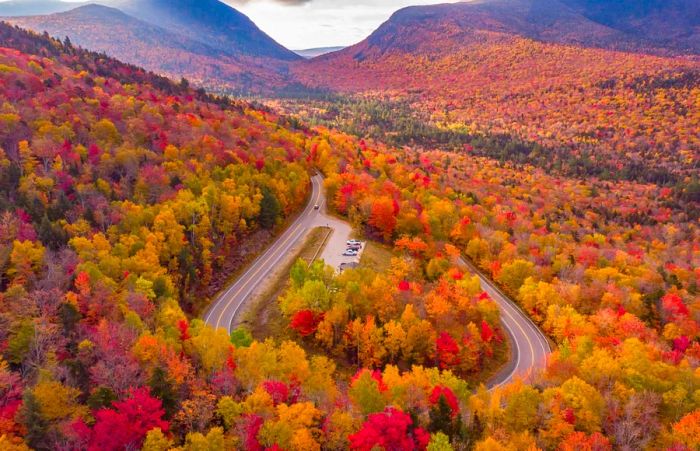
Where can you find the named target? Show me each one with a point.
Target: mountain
(209, 21)
(131, 39)
(169, 51)
(318, 51)
(674, 23)
(443, 26)
(538, 72)
(660, 26)
(33, 7)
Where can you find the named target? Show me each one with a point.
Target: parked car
(354, 247)
(354, 242)
(350, 253)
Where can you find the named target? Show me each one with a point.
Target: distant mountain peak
(615, 24)
(317, 51)
(176, 44)
(211, 22)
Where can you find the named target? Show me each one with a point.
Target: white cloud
(299, 24)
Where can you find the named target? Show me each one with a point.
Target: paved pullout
(529, 346)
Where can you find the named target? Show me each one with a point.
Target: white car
(353, 242)
(350, 253)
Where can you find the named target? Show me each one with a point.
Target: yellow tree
(26, 259)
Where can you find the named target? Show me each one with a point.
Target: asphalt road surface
(529, 346)
(224, 309)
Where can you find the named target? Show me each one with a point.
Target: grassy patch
(264, 318)
(377, 257)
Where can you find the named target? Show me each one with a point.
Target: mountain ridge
(209, 21)
(554, 21)
(532, 70)
(166, 50)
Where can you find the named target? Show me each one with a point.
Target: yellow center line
(505, 307)
(527, 338)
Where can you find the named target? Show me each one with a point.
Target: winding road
(529, 346)
(229, 303)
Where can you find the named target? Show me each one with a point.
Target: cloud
(300, 24)
(281, 2)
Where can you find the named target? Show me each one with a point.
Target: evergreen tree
(102, 397)
(33, 421)
(70, 317)
(162, 388)
(269, 209)
(443, 419)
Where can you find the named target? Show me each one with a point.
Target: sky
(303, 24)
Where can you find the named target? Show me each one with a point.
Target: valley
(524, 176)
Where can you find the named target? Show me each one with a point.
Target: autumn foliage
(122, 196)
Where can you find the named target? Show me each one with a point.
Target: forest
(398, 123)
(123, 195)
(588, 111)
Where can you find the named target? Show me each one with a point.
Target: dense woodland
(122, 194)
(590, 112)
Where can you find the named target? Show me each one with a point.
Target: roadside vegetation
(263, 318)
(122, 194)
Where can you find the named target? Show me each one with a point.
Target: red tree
(184, 327)
(447, 350)
(126, 426)
(389, 430)
(305, 322)
(442, 391)
(251, 427)
(277, 390)
(486, 332)
(673, 306)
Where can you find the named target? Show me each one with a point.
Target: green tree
(21, 337)
(270, 209)
(241, 337)
(101, 397)
(366, 394)
(33, 421)
(442, 419)
(163, 389)
(439, 442)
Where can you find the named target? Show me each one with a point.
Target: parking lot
(351, 255)
(338, 242)
(336, 252)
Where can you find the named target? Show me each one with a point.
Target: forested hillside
(493, 72)
(123, 196)
(121, 36)
(609, 271)
(672, 23)
(209, 42)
